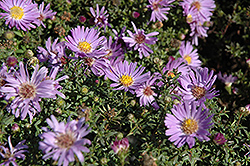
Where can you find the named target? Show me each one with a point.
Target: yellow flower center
(188, 59)
(27, 90)
(189, 126)
(126, 80)
(85, 47)
(16, 12)
(170, 74)
(198, 92)
(189, 18)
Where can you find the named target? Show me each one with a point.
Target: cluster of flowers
(105, 58)
(198, 14)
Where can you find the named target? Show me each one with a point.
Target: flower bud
(219, 139)
(15, 128)
(135, 14)
(11, 61)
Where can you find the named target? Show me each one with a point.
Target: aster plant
(85, 42)
(64, 141)
(139, 40)
(44, 14)
(19, 13)
(186, 123)
(28, 91)
(126, 76)
(121, 148)
(100, 17)
(159, 9)
(54, 52)
(9, 155)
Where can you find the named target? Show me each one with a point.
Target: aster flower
(227, 80)
(112, 49)
(191, 56)
(177, 66)
(139, 39)
(9, 155)
(159, 9)
(44, 14)
(28, 91)
(202, 9)
(20, 13)
(186, 123)
(97, 65)
(126, 76)
(198, 12)
(120, 146)
(64, 141)
(55, 52)
(145, 91)
(52, 76)
(100, 17)
(86, 42)
(197, 86)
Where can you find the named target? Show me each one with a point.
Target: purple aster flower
(197, 86)
(186, 123)
(9, 155)
(52, 76)
(145, 91)
(159, 9)
(44, 14)
(198, 12)
(112, 49)
(227, 80)
(120, 146)
(97, 65)
(139, 40)
(27, 91)
(175, 66)
(64, 141)
(55, 53)
(20, 13)
(198, 30)
(100, 17)
(202, 8)
(86, 42)
(219, 139)
(126, 76)
(191, 56)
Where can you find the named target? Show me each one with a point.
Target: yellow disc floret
(16, 12)
(189, 126)
(85, 47)
(126, 80)
(188, 59)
